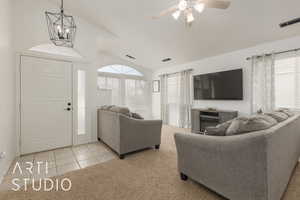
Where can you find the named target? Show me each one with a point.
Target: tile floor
(59, 161)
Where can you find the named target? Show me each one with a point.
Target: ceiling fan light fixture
(182, 5)
(190, 17)
(176, 14)
(199, 7)
(188, 8)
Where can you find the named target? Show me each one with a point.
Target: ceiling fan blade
(215, 4)
(166, 12)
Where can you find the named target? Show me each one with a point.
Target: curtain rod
(268, 54)
(177, 72)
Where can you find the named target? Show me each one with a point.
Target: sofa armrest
(136, 134)
(234, 166)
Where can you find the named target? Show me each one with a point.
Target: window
(173, 92)
(287, 82)
(110, 89)
(136, 96)
(120, 69)
(124, 86)
(81, 104)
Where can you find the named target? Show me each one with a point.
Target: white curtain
(263, 83)
(164, 98)
(176, 99)
(185, 102)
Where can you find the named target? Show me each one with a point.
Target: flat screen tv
(227, 85)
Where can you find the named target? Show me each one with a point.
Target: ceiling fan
(187, 7)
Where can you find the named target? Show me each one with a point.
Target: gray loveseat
(124, 134)
(252, 166)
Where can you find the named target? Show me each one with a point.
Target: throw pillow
(267, 118)
(121, 110)
(245, 125)
(286, 111)
(279, 116)
(136, 116)
(103, 107)
(219, 130)
(106, 107)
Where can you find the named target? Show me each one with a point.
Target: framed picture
(156, 86)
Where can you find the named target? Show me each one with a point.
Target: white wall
(8, 142)
(232, 60)
(31, 30)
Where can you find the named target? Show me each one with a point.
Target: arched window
(120, 69)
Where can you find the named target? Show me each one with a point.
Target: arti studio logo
(37, 169)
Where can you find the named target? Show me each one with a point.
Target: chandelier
(61, 28)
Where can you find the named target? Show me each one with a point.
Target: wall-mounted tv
(227, 85)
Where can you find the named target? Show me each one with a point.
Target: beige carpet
(148, 175)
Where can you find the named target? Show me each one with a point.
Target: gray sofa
(124, 134)
(252, 166)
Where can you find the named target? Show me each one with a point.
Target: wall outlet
(2, 155)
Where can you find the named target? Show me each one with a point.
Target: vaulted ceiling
(246, 23)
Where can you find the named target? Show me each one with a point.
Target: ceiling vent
(166, 60)
(288, 23)
(131, 57)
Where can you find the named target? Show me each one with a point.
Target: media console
(202, 118)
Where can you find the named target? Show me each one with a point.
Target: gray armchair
(125, 134)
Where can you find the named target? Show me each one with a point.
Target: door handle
(67, 109)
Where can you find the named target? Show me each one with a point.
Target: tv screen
(227, 85)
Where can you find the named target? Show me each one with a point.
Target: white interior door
(46, 104)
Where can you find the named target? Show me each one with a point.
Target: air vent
(288, 23)
(131, 57)
(166, 60)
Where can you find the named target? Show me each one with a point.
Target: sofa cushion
(121, 110)
(136, 116)
(249, 124)
(219, 130)
(279, 116)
